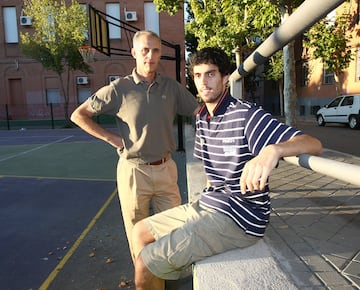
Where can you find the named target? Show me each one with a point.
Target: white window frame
(151, 18)
(113, 10)
(10, 25)
(86, 32)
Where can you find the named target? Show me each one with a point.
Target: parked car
(343, 109)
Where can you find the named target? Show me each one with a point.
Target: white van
(343, 109)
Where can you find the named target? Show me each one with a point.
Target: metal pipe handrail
(306, 15)
(339, 170)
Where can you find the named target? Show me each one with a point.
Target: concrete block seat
(250, 268)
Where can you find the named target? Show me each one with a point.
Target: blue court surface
(52, 185)
(60, 219)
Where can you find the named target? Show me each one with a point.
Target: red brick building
(315, 84)
(27, 88)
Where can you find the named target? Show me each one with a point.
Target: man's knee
(140, 233)
(144, 279)
(141, 236)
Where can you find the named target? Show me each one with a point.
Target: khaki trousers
(145, 188)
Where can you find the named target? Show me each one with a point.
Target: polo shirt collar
(137, 79)
(220, 108)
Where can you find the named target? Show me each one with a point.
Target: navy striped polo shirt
(236, 133)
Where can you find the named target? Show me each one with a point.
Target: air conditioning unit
(130, 16)
(82, 80)
(112, 78)
(25, 20)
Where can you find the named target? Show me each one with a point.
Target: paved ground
(60, 218)
(318, 220)
(315, 229)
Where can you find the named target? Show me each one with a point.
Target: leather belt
(157, 162)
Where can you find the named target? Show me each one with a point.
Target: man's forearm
(300, 145)
(85, 122)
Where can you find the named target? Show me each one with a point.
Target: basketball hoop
(88, 53)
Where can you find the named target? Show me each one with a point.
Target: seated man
(239, 145)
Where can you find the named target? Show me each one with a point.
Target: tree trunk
(289, 81)
(281, 96)
(65, 94)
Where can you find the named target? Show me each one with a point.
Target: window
(113, 10)
(83, 94)
(348, 101)
(10, 25)
(358, 65)
(335, 103)
(53, 96)
(305, 74)
(328, 77)
(86, 32)
(151, 18)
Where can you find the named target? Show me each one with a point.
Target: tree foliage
(228, 23)
(231, 24)
(170, 6)
(58, 31)
(329, 42)
(275, 67)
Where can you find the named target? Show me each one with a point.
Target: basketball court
(53, 183)
(60, 220)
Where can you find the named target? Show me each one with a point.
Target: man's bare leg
(144, 279)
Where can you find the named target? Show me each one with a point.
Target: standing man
(145, 105)
(239, 145)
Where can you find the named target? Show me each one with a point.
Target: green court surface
(83, 159)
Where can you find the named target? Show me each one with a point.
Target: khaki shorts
(187, 234)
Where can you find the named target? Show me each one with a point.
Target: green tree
(231, 24)
(58, 32)
(239, 25)
(329, 42)
(274, 70)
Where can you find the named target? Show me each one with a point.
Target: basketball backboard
(99, 31)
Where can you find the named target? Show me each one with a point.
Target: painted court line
(77, 243)
(59, 178)
(34, 149)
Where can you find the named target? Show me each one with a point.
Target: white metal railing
(336, 169)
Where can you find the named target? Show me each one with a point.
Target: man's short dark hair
(211, 55)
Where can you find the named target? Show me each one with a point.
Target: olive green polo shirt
(144, 113)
